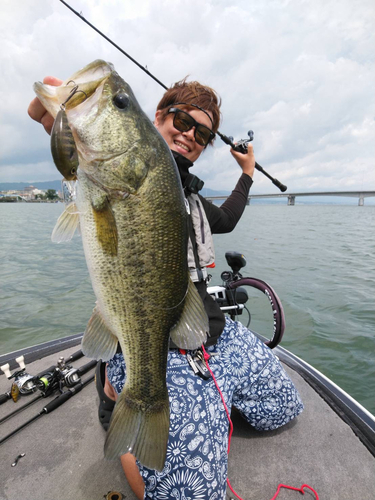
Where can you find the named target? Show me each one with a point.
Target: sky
(300, 74)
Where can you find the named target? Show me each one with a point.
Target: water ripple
(319, 259)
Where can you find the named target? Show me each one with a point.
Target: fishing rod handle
(87, 367)
(75, 356)
(274, 181)
(57, 402)
(4, 397)
(281, 186)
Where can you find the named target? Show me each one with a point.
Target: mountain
(207, 192)
(56, 185)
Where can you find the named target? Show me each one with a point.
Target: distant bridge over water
(291, 197)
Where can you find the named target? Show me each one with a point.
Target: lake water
(319, 259)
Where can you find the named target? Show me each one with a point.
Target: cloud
(299, 73)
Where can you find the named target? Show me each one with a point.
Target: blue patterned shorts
(250, 377)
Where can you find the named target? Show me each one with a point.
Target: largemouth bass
(131, 212)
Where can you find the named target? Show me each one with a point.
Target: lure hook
(72, 93)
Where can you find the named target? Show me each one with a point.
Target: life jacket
(200, 238)
(205, 254)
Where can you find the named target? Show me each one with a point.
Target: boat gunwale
(359, 419)
(39, 351)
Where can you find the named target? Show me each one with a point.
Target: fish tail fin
(142, 433)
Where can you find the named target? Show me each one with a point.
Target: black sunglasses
(183, 122)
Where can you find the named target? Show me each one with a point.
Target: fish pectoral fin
(140, 431)
(105, 224)
(191, 330)
(98, 340)
(66, 224)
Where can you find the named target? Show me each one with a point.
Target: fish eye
(121, 101)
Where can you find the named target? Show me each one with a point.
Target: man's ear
(157, 121)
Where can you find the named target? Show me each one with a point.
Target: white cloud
(299, 73)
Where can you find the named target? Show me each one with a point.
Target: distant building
(31, 192)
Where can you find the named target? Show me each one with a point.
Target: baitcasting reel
(241, 145)
(47, 381)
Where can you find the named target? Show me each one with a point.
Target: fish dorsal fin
(191, 330)
(98, 341)
(106, 227)
(66, 224)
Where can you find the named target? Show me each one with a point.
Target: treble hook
(71, 94)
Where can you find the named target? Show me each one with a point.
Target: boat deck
(64, 452)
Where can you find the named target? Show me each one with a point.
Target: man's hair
(192, 93)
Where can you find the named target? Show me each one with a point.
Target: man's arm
(224, 219)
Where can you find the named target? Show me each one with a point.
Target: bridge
(291, 197)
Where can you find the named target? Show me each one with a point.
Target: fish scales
(132, 217)
(146, 303)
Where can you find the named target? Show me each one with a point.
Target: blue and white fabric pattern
(250, 377)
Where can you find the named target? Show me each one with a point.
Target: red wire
(295, 489)
(206, 358)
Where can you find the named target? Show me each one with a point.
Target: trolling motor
(232, 296)
(231, 302)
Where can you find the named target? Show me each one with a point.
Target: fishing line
(240, 147)
(114, 44)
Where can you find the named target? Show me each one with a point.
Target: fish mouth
(96, 70)
(84, 83)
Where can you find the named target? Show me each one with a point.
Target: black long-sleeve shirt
(222, 219)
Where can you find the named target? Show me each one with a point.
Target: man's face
(182, 142)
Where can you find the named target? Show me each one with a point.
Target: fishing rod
(241, 146)
(50, 407)
(51, 387)
(47, 380)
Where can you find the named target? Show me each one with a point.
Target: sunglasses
(183, 122)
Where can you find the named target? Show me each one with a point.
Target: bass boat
(51, 440)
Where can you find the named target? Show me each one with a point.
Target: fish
(130, 209)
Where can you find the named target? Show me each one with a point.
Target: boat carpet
(64, 452)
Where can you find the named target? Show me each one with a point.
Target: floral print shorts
(250, 378)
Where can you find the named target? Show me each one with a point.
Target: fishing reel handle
(241, 145)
